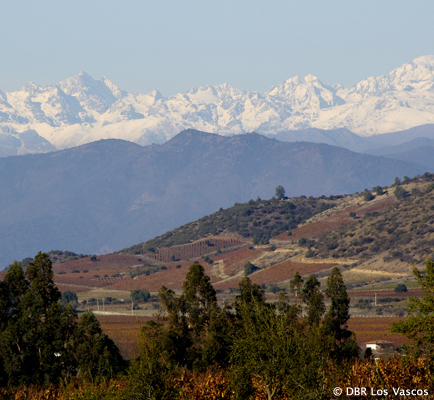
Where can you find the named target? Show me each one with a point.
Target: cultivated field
(124, 330)
(368, 329)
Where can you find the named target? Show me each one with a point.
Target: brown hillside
(103, 262)
(335, 221)
(276, 274)
(196, 249)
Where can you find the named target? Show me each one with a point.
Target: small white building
(379, 346)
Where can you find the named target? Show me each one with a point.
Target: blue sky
(175, 45)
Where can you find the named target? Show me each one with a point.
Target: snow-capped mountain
(81, 109)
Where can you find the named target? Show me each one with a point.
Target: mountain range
(110, 194)
(80, 109)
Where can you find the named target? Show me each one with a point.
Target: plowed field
(277, 273)
(368, 329)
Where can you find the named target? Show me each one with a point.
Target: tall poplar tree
(337, 316)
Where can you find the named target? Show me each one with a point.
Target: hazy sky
(175, 45)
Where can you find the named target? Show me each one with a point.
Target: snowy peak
(118, 93)
(82, 109)
(307, 91)
(418, 74)
(96, 95)
(42, 104)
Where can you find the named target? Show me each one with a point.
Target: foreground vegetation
(197, 349)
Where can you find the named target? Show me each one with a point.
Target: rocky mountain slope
(109, 194)
(81, 109)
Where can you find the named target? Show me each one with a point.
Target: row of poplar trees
(287, 348)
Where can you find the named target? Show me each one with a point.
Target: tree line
(198, 349)
(43, 342)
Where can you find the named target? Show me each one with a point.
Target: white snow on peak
(92, 94)
(81, 109)
(118, 93)
(305, 92)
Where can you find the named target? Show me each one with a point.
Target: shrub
(309, 254)
(69, 297)
(400, 288)
(140, 295)
(400, 192)
(249, 268)
(378, 190)
(430, 188)
(302, 241)
(208, 260)
(367, 195)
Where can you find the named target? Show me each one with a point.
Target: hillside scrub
(257, 220)
(404, 232)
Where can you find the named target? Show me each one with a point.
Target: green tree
(280, 193)
(35, 329)
(314, 301)
(142, 295)
(250, 293)
(337, 316)
(69, 297)
(278, 350)
(263, 348)
(296, 285)
(196, 329)
(367, 195)
(94, 353)
(400, 288)
(419, 326)
(249, 268)
(400, 193)
(37, 336)
(150, 373)
(378, 190)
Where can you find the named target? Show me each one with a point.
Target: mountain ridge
(105, 195)
(81, 109)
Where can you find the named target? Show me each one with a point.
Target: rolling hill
(106, 195)
(373, 240)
